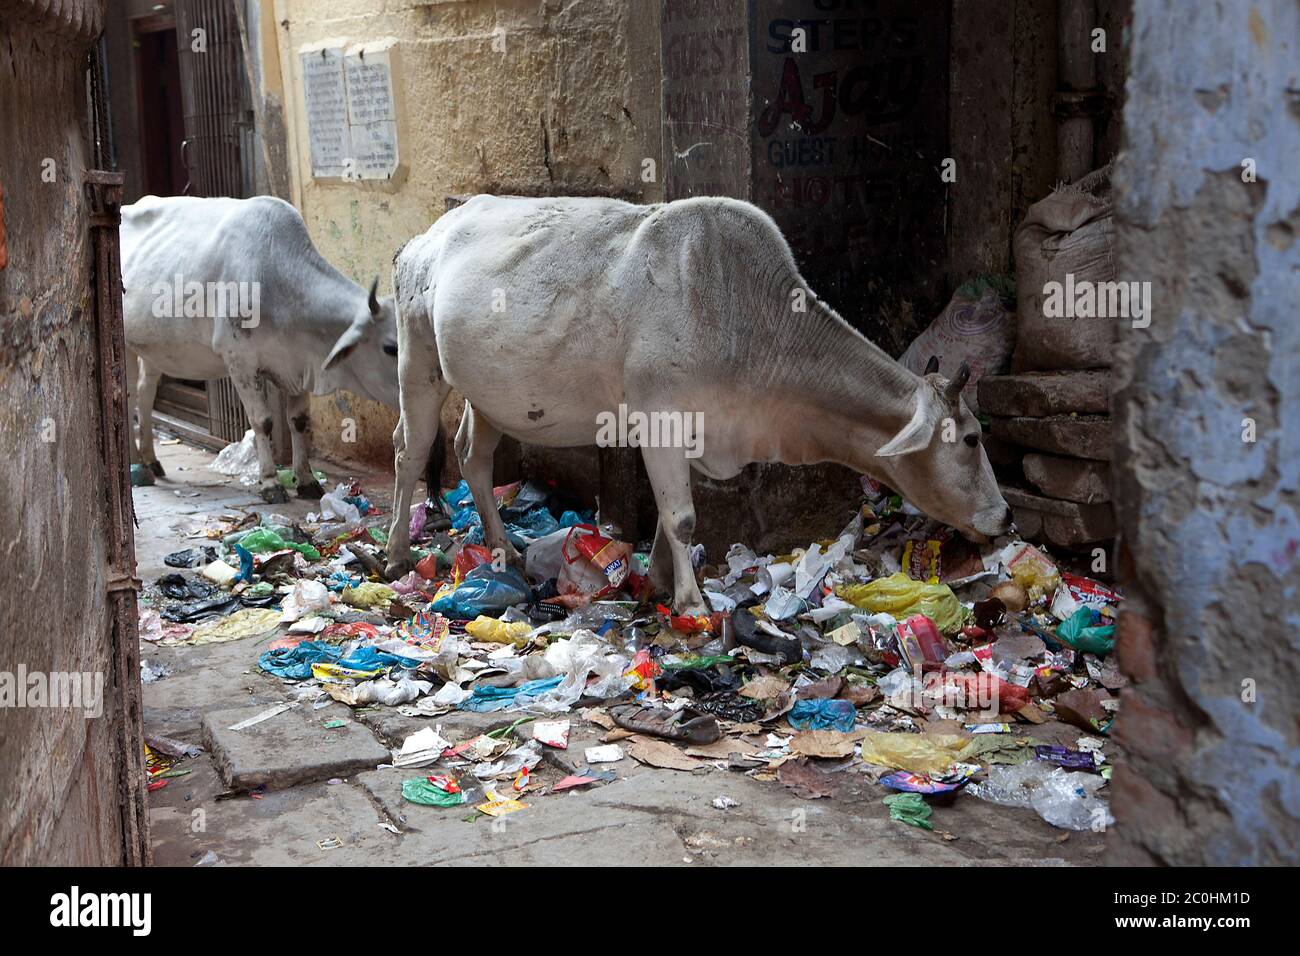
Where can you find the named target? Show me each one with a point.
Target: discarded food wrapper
(553, 733)
(921, 783)
(605, 753)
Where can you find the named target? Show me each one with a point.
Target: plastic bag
(902, 597)
(262, 540)
(822, 714)
(919, 753)
(421, 790)
(1080, 633)
(239, 459)
(484, 591)
(484, 628)
(542, 561)
(335, 506)
(1066, 800)
(307, 597)
(613, 559)
(367, 594)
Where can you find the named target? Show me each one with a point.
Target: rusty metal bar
(104, 193)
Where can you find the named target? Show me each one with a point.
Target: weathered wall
(59, 785)
(554, 114)
(1209, 512)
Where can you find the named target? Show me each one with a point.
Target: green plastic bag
(261, 540)
(1077, 632)
(420, 790)
(909, 808)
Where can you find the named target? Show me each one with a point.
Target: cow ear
(914, 436)
(374, 299)
(348, 341)
(931, 366)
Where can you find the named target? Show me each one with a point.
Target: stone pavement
(322, 784)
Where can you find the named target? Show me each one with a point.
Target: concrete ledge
(1066, 524)
(287, 749)
(1074, 479)
(1076, 436)
(1038, 394)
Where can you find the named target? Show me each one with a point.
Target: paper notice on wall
(351, 117)
(327, 111)
(372, 118)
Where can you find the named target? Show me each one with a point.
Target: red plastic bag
(586, 546)
(468, 558)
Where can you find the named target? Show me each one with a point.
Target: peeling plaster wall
(1211, 537)
(555, 114)
(59, 783)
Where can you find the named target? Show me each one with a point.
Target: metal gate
(218, 147)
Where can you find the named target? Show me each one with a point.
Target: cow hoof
(396, 570)
(157, 468)
(273, 493)
(310, 489)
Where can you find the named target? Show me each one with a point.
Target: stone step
(1065, 524)
(1038, 394)
(288, 749)
(1074, 479)
(1075, 436)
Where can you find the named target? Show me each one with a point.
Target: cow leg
(295, 407)
(661, 561)
(423, 393)
(476, 466)
(670, 477)
(252, 392)
(145, 395)
(132, 389)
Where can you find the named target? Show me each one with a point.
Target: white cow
(216, 287)
(548, 314)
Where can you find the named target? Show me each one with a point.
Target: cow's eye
(972, 440)
(390, 348)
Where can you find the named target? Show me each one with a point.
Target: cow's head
(367, 351)
(937, 460)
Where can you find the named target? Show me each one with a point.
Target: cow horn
(374, 299)
(931, 366)
(953, 391)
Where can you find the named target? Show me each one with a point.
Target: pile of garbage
(897, 652)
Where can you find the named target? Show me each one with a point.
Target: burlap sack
(1071, 231)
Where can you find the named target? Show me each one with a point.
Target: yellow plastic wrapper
(484, 628)
(918, 753)
(367, 594)
(323, 670)
(902, 597)
(246, 622)
(1035, 572)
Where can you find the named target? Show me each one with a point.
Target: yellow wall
(570, 107)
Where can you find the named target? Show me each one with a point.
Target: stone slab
(1073, 479)
(1078, 436)
(1066, 524)
(1039, 394)
(287, 749)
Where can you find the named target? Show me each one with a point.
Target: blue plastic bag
(294, 663)
(484, 591)
(822, 714)
(487, 699)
